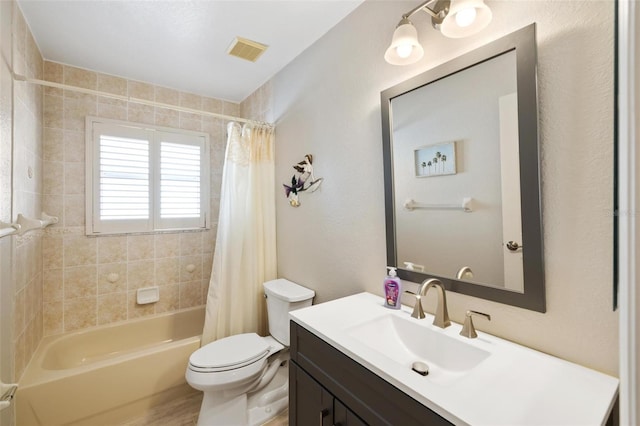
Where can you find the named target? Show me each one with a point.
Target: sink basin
(404, 341)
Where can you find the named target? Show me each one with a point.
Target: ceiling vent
(246, 49)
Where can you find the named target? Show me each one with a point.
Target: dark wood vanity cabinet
(315, 405)
(328, 388)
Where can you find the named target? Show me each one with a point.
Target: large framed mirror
(461, 167)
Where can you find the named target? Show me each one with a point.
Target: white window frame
(95, 127)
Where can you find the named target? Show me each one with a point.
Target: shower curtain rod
(19, 77)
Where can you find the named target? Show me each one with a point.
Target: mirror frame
(523, 41)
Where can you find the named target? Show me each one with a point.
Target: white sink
(482, 381)
(405, 341)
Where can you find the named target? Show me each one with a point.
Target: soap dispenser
(392, 289)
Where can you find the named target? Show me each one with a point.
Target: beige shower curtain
(245, 252)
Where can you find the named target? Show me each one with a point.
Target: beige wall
(27, 194)
(77, 293)
(259, 105)
(6, 244)
(326, 103)
(636, 21)
(6, 105)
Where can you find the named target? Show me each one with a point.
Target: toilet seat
(229, 353)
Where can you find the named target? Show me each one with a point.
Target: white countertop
(515, 385)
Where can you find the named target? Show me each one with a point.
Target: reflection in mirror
(461, 174)
(452, 140)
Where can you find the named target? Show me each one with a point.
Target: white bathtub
(109, 374)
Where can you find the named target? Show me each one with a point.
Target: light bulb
(404, 50)
(465, 17)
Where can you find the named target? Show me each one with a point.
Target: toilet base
(270, 401)
(251, 409)
(218, 410)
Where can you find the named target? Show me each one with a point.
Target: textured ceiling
(181, 44)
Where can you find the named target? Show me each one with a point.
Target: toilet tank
(284, 296)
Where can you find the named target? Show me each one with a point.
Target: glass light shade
(405, 48)
(458, 26)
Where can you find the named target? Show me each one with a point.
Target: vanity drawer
(371, 398)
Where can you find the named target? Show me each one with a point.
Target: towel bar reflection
(465, 206)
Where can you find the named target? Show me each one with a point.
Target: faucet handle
(418, 312)
(468, 330)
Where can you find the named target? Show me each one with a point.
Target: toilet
(245, 377)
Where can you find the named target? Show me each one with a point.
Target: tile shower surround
(77, 291)
(60, 281)
(61, 276)
(23, 164)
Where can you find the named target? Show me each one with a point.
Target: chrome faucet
(442, 314)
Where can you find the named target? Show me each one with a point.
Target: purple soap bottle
(392, 289)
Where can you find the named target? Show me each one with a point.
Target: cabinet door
(342, 416)
(310, 404)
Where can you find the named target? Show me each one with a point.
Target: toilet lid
(230, 352)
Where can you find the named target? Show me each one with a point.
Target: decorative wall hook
(304, 182)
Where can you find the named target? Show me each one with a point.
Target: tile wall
(257, 106)
(27, 194)
(63, 280)
(91, 281)
(7, 350)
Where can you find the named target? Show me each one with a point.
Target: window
(144, 178)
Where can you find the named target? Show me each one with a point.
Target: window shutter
(120, 171)
(144, 178)
(183, 181)
(179, 180)
(124, 178)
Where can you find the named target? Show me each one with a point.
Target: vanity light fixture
(454, 19)
(465, 18)
(405, 48)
